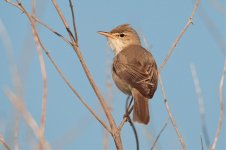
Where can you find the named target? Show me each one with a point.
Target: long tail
(141, 109)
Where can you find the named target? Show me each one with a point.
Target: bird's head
(121, 37)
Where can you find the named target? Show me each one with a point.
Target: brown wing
(140, 75)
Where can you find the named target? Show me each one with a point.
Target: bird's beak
(107, 34)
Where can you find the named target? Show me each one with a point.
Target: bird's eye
(121, 35)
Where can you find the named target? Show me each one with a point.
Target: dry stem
(61, 74)
(170, 115)
(221, 116)
(180, 35)
(200, 102)
(63, 77)
(19, 105)
(2, 140)
(73, 20)
(114, 130)
(44, 79)
(156, 140)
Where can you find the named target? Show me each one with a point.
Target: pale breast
(121, 84)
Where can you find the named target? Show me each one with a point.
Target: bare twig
(62, 76)
(114, 130)
(128, 110)
(12, 3)
(29, 120)
(149, 136)
(16, 132)
(52, 30)
(63, 20)
(202, 143)
(134, 131)
(73, 20)
(200, 102)
(15, 77)
(44, 79)
(109, 98)
(221, 116)
(42, 23)
(170, 115)
(125, 118)
(127, 113)
(66, 81)
(180, 35)
(2, 140)
(156, 140)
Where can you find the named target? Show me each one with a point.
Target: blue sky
(159, 22)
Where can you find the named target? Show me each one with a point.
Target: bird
(134, 69)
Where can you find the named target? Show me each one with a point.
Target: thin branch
(156, 140)
(170, 115)
(44, 79)
(125, 118)
(63, 20)
(16, 132)
(69, 85)
(202, 143)
(29, 120)
(42, 23)
(114, 130)
(150, 137)
(127, 113)
(134, 131)
(52, 30)
(62, 76)
(73, 20)
(15, 77)
(109, 98)
(180, 35)
(221, 116)
(12, 3)
(2, 140)
(200, 102)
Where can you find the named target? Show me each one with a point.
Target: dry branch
(44, 79)
(114, 130)
(221, 116)
(170, 115)
(156, 140)
(29, 120)
(73, 20)
(180, 35)
(42, 23)
(16, 133)
(15, 77)
(202, 143)
(200, 102)
(2, 140)
(64, 78)
(165, 61)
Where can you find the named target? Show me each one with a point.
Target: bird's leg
(128, 108)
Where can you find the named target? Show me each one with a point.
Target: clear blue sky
(159, 22)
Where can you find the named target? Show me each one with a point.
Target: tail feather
(141, 109)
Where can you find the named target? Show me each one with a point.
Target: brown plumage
(134, 69)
